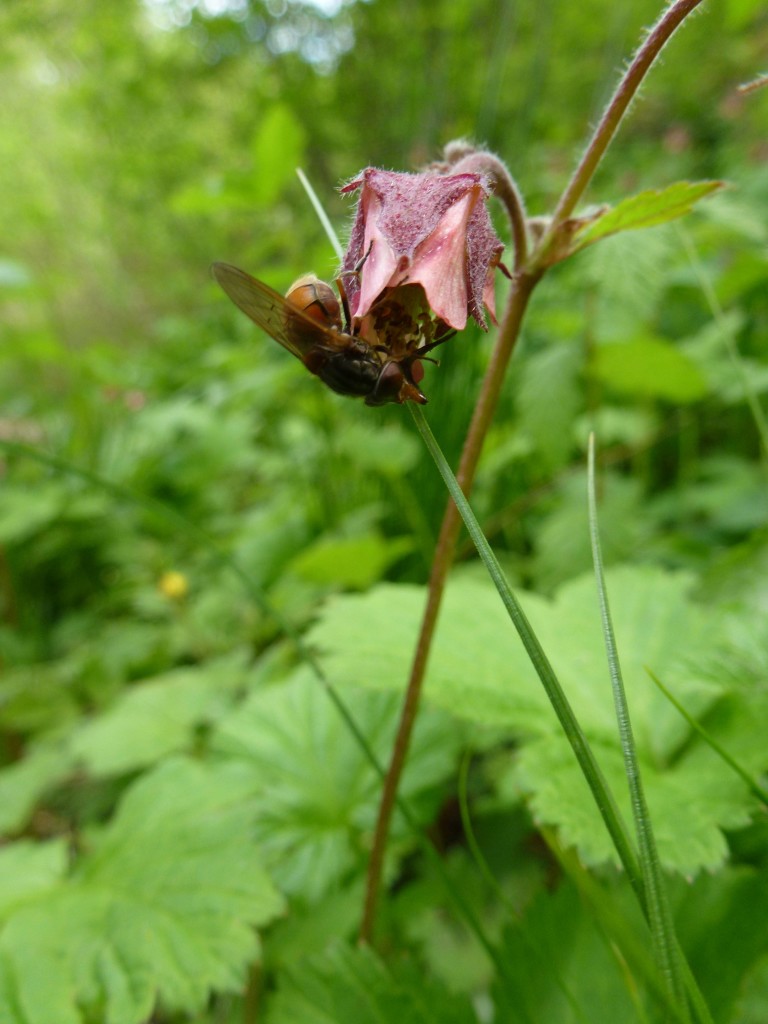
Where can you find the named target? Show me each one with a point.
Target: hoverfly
(308, 322)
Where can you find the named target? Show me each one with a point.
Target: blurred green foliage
(175, 488)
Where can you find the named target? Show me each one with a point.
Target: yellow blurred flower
(174, 585)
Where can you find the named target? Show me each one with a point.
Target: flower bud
(427, 229)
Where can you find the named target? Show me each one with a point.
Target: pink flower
(424, 229)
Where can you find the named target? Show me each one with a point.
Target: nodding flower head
(427, 229)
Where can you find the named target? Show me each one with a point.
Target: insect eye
(317, 300)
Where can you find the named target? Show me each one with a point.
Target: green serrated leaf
(691, 803)
(315, 794)
(346, 984)
(368, 640)
(479, 671)
(646, 209)
(163, 906)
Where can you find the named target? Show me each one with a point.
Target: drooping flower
(429, 229)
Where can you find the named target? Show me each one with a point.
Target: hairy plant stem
(522, 285)
(625, 92)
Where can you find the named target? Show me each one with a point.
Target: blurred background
(142, 139)
(175, 487)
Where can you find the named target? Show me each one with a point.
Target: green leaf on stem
(646, 209)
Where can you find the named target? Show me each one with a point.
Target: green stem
(322, 216)
(573, 732)
(540, 662)
(659, 913)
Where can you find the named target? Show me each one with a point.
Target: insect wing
(267, 308)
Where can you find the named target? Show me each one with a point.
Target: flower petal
(439, 263)
(380, 261)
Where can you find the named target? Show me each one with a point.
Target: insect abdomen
(349, 373)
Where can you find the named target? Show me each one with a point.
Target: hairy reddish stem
(617, 107)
